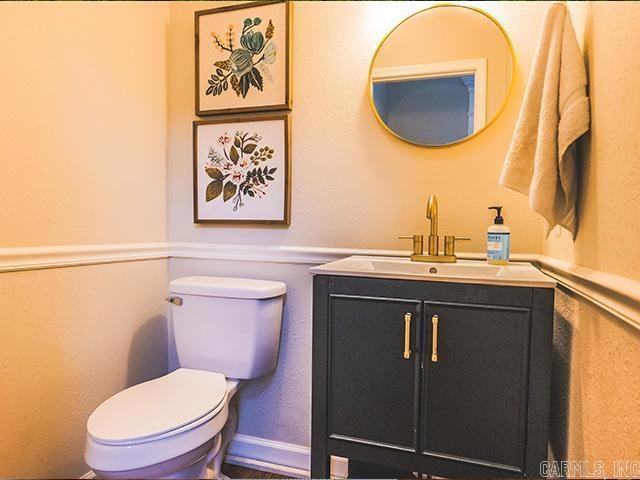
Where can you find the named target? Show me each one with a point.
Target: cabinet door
(474, 391)
(372, 386)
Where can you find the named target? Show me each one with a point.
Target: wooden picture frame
(244, 160)
(247, 71)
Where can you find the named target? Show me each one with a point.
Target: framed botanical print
(243, 58)
(242, 170)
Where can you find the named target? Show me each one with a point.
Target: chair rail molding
(15, 259)
(616, 295)
(305, 255)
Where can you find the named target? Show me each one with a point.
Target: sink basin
(519, 274)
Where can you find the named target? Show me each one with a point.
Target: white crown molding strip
(270, 253)
(295, 254)
(616, 295)
(35, 258)
(277, 457)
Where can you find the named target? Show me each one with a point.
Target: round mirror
(442, 75)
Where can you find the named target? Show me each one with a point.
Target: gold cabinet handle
(407, 336)
(434, 338)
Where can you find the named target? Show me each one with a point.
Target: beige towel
(541, 161)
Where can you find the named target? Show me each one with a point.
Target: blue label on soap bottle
(498, 245)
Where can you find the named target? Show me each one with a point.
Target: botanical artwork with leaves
(239, 168)
(245, 64)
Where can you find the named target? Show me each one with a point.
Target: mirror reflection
(442, 75)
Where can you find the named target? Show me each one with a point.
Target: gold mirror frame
(490, 122)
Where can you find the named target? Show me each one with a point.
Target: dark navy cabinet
(447, 379)
(367, 376)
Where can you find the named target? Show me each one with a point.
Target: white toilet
(178, 426)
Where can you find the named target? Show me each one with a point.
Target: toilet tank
(227, 325)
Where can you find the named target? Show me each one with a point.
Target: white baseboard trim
(277, 457)
(270, 451)
(271, 456)
(266, 467)
(17, 259)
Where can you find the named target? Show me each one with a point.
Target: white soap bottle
(498, 240)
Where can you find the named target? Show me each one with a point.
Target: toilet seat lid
(158, 406)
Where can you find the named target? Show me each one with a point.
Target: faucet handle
(450, 243)
(418, 242)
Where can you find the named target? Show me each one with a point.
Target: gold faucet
(433, 255)
(432, 216)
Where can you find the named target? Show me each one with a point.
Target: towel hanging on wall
(541, 161)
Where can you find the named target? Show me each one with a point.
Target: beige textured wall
(355, 185)
(595, 397)
(82, 161)
(71, 338)
(82, 123)
(610, 172)
(598, 356)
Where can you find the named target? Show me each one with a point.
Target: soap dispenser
(498, 239)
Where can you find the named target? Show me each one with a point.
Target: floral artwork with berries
(242, 169)
(239, 168)
(243, 56)
(246, 65)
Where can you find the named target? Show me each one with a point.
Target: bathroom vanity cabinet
(449, 379)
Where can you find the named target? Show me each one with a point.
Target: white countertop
(519, 274)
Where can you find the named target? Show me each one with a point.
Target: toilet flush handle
(175, 300)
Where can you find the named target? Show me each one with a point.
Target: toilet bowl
(162, 427)
(179, 425)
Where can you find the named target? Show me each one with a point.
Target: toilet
(227, 331)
